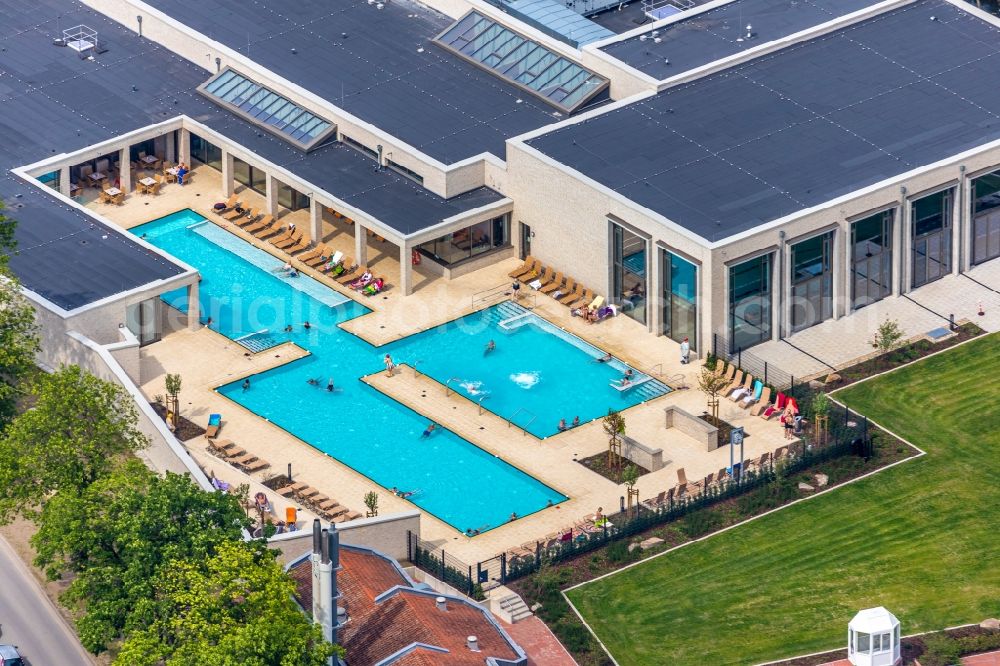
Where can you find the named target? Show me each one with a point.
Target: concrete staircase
(511, 608)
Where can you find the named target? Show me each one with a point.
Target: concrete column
(64, 180)
(228, 184)
(125, 170)
(838, 264)
(654, 290)
(959, 222)
(360, 244)
(405, 269)
(194, 308)
(315, 220)
(184, 146)
(781, 295)
(901, 257)
(271, 189)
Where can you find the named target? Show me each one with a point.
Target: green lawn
(921, 538)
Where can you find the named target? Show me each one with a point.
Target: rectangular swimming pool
(461, 484)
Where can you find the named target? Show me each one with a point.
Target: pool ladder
(447, 386)
(524, 428)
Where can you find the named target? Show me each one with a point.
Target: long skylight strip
(521, 61)
(267, 109)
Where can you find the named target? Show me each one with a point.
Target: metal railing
(481, 403)
(524, 428)
(493, 293)
(747, 361)
(447, 386)
(654, 370)
(416, 371)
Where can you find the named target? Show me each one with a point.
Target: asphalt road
(30, 621)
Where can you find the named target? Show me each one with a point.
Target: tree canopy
(18, 332)
(115, 537)
(78, 429)
(234, 608)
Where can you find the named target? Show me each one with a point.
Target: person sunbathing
(375, 287)
(739, 394)
(362, 281)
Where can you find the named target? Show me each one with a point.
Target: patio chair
(780, 452)
(304, 244)
(222, 445)
(546, 275)
(234, 214)
(118, 199)
(255, 223)
(762, 403)
(573, 296)
(730, 373)
(214, 424)
(337, 266)
(735, 384)
(585, 299)
(155, 188)
(553, 284)
(293, 239)
(231, 203)
(349, 275)
(320, 250)
(255, 466)
(270, 231)
(526, 267)
(104, 197)
(531, 274)
(290, 231)
(568, 286)
(654, 502)
(771, 410)
(755, 394)
(721, 475)
(745, 389)
(325, 258)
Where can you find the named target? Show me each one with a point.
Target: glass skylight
(531, 66)
(267, 109)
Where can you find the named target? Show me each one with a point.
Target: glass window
(147, 147)
(402, 170)
(251, 176)
(291, 198)
(812, 281)
(473, 241)
(750, 302)
(871, 259)
(680, 309)
(51, 179)
(205, 152)
(864, 642)
(931, 231)
(986, 218)
(628, 272)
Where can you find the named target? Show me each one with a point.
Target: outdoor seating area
(236, 455)
(581, 300)
(579, 531)
(322, 505)
(148, 175)
(751, 394)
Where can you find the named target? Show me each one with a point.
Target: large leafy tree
(234, 608)
(18, 333)
(113, 540)
(78, 430)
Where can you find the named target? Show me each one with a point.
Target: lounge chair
(730, 372)
(321, 250)
(755, 394)
(214, 423)
(241, 460)
(329, 505)
(287, 240)
(308, 492)
(327, 257)
(528, 265)
(348, 275)
(532, 274)
(301, 246)
(596, 303)
(118, 199)
(259, 226)
(267, 232)
(251, 219)
(780, 452)
(154, 188)
(234, 214)
(231, 203)
(720, 367)
(762, 403)
(586, 297)
(255, 466)
(222, 445)
(352, 515)
(771, 410)
(291, 489)
(553, 284)
(566, 289)
(654, 503)
(735, 384)
(546, 276)
(742, 391)
(573, 296)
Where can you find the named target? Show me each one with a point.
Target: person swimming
(329, 385)
(604, 359)
(562, 425)
(429, 431)
(490, 346)
(246, 384)
(576, 421)
(313, 381)
(306, 325)
(288, 328)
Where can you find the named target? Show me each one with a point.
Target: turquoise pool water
(456, 481)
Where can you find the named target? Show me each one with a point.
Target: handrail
(492, 292)
(481, 403)
(416, 372)
(524, 429)
(250, 335)
(651, 369)
(447, 385)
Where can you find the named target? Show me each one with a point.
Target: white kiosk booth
(873, 638)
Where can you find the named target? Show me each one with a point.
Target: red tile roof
(375, 631)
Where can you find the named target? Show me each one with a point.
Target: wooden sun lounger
(319, 251)
(747, 384)
(301, 246)
(735, 384)
(289, 240)
(765, 400)
(255, 466)
(543, 276)
(308, 492)
(529, 263)
(222, 445)
(349, 276)
(266, 232)
(554, 284)
(233, 214)
(572, 297)
(585, 299)
(566, 290)
(548, 277)
(353, 515)
(241, 459)
(231, 203)
(329, 504)
(249, 219)
(730, 371)
(532, 274)
(285, 235)
(318, 261)
(291, 489)
(259, 225)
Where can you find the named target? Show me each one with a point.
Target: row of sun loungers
(750, 393)
(293, 241)
(237, 455)
(578, 531)
(561, 287)
(330, 509)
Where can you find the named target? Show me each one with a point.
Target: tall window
(750, 302)
(51, 179)
(205, 152)
(469, 242)
(812, 281)
(871, 259)
(931, 255)
(253, 177)
(680, 300)
(986, 217)
(628, 272)
(291, 198)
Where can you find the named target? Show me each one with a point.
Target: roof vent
(472, 643)
(80, 38)
(341, 616)
(442, 603)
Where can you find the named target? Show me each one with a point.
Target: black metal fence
(446, 568)
(747, 361)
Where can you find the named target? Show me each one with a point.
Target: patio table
(147, 181)
(112, 191)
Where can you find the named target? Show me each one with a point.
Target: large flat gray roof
(386, 70)
(714, 34)
(52, 102)
(802, 126)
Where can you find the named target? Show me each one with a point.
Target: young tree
(630, 476)
(18, 331)
(712, 385)
(173, 386)
(371, 501)
(113, 538)
(79, 428)
(234, 608)
(614, 428)
(888, 335)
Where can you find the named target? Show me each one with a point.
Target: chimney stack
(442, 603)
(315, 560)
(339, 615)
(327, 609)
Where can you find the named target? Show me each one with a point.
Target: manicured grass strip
(920, 538)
